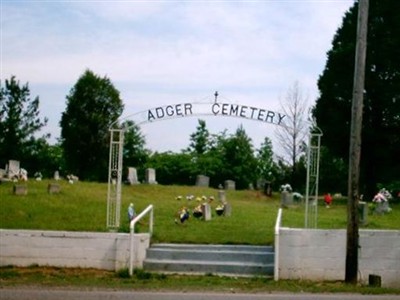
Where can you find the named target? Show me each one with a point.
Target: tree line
(94, 104)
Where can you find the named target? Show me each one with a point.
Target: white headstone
(151, 176)
(13, 168)
(56, 175)
(221, 196)
(206, 210)
(132, 176)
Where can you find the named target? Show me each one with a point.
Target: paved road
(60, 294)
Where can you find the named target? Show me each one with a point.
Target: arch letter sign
(173, 111)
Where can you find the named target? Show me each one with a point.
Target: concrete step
(216, 259)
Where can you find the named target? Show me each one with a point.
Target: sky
(158, 53)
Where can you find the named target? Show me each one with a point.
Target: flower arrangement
(197, 212)
(220, 209)
(380, 202)
(382, 196)
(286, 188)
(183, 215)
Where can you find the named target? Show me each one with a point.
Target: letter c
(215, 108)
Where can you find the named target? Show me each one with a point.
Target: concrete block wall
(380, 254)
(108, 251)
(321, 255)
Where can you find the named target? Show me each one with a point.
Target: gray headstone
(221, 196)
(151, 176)
(20, 189)
(206, 210)
(363, 212)
(286, 198)
(227, 210)
(56, 175)
(260, 184)
(53, 188)
(230, 185)
(132, 176)
(202, 180)
(382, 207)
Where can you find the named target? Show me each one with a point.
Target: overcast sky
(163, 52)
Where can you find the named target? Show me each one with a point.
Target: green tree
(238, 159)
(172, 168)
(266, 167)
(199, 140)
(19, 122)
(381, 120)
(93, 105)
(135, 153)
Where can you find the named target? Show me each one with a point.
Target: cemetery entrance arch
(217, 109)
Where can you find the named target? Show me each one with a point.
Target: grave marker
(13, 168)
(151, 176)
(206, 210)
(20, 190)
(202, 180)
(227, 210)
(53, 188)
(132, 176)
(230, 185)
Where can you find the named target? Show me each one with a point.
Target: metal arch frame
(115, 179)
(312, 180)
(116, 158)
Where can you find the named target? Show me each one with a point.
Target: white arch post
(311, 200)
(115, 179)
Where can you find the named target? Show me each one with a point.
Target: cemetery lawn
(82, 206)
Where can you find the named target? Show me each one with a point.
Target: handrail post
(276, 257)
(132, 233)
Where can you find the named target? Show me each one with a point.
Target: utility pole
(355, 145)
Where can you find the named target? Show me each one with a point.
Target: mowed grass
(82, 206)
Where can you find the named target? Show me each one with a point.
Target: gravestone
(13, 168)
(53, 188)
(202, 180)
(363, 212)
(230, 185)
(227, 210)
(260, 184)
(221, 194)
(267, 188)
(132, 176)
(2, 173)
(20, 189)
(382, 207)
(151, 176)
(286, 198)
(206, 210)
(56, 175)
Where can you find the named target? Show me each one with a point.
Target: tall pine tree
(381, 120)
(93, 105)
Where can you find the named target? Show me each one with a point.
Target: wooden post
(355, 145)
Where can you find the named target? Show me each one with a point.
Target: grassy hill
(82, 206)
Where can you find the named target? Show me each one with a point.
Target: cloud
(159, 52)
